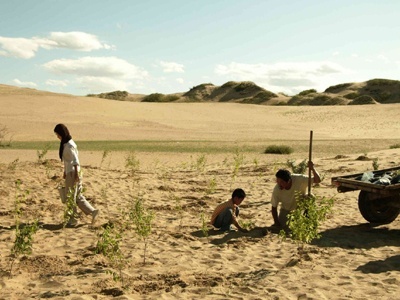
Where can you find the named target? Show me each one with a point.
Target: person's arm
(316, 177)
(236, 223)
(274, 211)
(240, 228)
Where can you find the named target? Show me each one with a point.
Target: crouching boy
(227, 212)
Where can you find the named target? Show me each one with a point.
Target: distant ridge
(374, 91)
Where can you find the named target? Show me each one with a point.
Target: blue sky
(148, 46)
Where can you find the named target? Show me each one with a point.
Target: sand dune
(33, 117)
(351, 260)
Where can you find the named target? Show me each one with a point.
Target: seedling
(204, 224)
(201, 162)
(297, 168)
(103, 157)
(70, 212)
(108, 245)
(305, 220)
(13, 165)
(132, 163)
(212, 185)
(23, 234)
(178, 208)
(5, 136)
(42, 154)
(142, 218)
(247, 224)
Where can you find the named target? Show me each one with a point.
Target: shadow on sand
(366, 236)
(218, 237)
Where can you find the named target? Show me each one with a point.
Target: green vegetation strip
(321, 147)
(144, 146)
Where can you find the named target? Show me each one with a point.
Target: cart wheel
(377, 210)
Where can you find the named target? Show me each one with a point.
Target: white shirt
(287, 198)
(70, 156)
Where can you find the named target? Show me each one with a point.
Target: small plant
(201, 162)
(132, 163)
(204, 224)
(212, 185)
(142, 219)
(395, 146)
(108, 245)
(306, 219)
(104, 156)
(70, 212)
(23, 234)
(247, 224)
(13, 165)
(375, 164)
(5, 136)
(42, 154)
(255, 161)
(297, 168)
(278, 149)
(178, 208)
(238, 160)
(23, 241)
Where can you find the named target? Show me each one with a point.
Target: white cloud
(284, 77)
(18, 47)
(99, 74)
(96, 67)
(27, 48)
(180, 80)
(53, 82)
(74, 40)
(29, 84)
(172, 67)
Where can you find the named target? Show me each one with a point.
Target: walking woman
(68, 153)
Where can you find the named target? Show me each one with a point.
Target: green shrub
(116, 95)
(338, 88)
(297, 168)
(379, 81)
(244, 86)
(395, 146)
(365, 99)
(278, 149)
(142, 219)
(352, 95)
(320, 100)
(298, 100)
(305, 220)
(157, 97)
(260, 97)
(306, 92)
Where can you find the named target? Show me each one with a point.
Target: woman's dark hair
(239, 193)
(62, 131)
(284, 175)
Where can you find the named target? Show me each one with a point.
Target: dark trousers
(224, 219)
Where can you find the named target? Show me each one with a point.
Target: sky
(169, 46)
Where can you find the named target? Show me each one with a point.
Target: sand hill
(374, 91)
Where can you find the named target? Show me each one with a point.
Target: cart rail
(349, 183)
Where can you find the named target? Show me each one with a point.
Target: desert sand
(352, 260)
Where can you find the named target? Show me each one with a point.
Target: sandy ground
(352, 260)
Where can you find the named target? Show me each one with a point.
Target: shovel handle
(310, 159)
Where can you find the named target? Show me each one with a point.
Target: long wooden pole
(310, 159)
